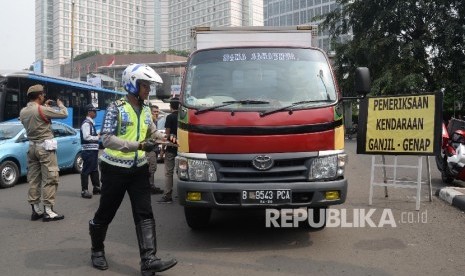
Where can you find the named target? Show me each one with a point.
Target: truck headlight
(327, 167)
(195, 169)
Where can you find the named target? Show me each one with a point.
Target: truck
(260, 123)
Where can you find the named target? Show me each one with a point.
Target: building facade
(298, 12)
(169, 67)
(183, 15)
(67, 28)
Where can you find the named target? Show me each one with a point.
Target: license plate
(266, 196)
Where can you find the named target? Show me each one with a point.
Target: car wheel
(197, 217)
(78, 163)
(9, 174)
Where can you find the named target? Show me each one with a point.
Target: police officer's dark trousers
(116, 181)
(90, 167)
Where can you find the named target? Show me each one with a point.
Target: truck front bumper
(228, 195)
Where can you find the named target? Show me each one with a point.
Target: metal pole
(385, 177)
(72, 37)
(430, 194)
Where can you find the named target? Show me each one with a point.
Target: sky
(17, 34)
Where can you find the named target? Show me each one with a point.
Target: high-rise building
(104, 25)
(298, 12)
(67, 28)
(183, 15)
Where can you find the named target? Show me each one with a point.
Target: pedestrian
(89, 154)
(152, 156)
(42, 164)
(127, 134)
(171, 129)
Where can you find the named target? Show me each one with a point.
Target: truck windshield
(277, 76)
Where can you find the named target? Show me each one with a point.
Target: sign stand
(396, 183)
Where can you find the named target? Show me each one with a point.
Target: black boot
(50, 214)
(146, 236)
(97, 235)
(94, 178)
(36, 212)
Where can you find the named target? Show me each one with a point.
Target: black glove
(147, 145)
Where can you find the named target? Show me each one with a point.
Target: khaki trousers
(152, 159)
(42, 175)
(169, 171)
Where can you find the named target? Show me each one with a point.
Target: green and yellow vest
(129, 127)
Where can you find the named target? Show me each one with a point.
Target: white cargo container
(219, 37)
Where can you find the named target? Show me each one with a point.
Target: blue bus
(74, 94)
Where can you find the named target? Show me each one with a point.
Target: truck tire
(317, 219)
(197, 217)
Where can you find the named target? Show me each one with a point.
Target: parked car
(14, 146)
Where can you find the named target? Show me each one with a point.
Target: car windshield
(269, 78)
(8, 131)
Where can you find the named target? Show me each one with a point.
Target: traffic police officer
(90, 147)
(42, 173)
(127, 124)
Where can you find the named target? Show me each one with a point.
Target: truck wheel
(197, 217)
(317, 222)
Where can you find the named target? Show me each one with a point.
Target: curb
(453, 195)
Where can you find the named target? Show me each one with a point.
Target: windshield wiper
(200, 111)
(320, 75)
(292, 105)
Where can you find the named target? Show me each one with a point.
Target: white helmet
(137, 72)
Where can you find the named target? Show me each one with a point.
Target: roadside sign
(400, 125)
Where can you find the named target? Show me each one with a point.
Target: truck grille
(285, 169)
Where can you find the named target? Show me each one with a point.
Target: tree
(409, 46)
(86, 55)
(177, 53)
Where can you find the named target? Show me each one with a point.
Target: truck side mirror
(362, 83)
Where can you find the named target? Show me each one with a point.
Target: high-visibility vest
(132, 128)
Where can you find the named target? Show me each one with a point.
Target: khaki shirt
(37, 128)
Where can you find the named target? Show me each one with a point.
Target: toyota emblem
(262, 162)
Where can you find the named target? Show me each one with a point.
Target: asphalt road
(238, 243)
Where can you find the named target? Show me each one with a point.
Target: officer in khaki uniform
(42, 173)
(152, 156)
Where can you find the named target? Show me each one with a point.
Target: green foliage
(177, 53)
(134, 53)
(86, 55)
(409, 46)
